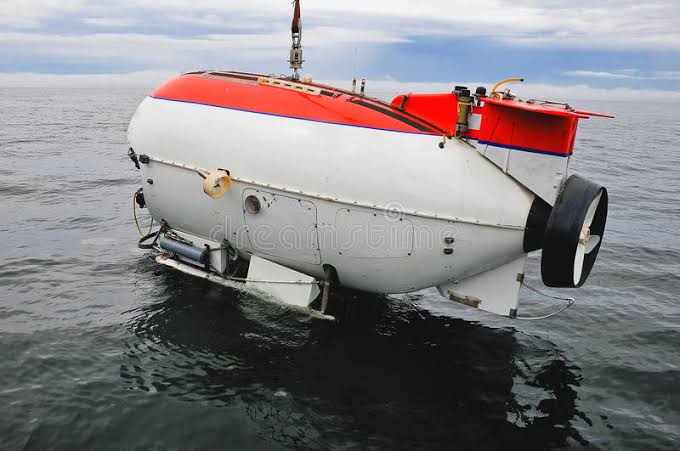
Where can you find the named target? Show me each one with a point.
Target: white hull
(346, 179)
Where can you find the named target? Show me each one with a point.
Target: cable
(134, 213)
(288, 282)
(155, 236)
(570, 302)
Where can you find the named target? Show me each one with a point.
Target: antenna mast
(296, 48)
(354, 80)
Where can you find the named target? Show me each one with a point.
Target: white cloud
(385, 89)
(633, 74)
(254, 34)
(668, 74)
(141, 79)
(390, 88)
(596, 74)
(121, 22)
(31, 13)
(161, 51)
(622, 24)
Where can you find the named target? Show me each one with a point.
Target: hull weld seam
(340, 201)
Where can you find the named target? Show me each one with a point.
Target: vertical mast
(296, 48)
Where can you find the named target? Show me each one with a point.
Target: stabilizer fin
(293, 288)
(530, 141)
(541, 174)
(495, 291)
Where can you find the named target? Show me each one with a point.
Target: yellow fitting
(217, 183)
(494, 90)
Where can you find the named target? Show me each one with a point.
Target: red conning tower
(532, 126)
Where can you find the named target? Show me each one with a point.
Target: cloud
(163, 51)
(596, 74)
(668, 74)
(145, 35)
(30, 14)
(140, 79)
(385, 89)
(621, 24)
(122, 22)
(568, 93)
(632, 74)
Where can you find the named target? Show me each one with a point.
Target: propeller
(573, 233)
(587, 242)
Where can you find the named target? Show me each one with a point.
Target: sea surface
(101, 348)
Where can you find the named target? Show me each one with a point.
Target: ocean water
(103, 349)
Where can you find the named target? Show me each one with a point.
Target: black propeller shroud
(567, 237)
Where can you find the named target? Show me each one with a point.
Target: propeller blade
(590, 214)
(578, 262)
(592, 243)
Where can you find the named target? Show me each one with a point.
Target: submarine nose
(569, 233)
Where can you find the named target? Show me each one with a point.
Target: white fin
(540, 173)
(295, 288)
(495, 291)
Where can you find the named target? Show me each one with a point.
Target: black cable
(141, 243)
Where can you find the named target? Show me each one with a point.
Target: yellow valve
(494, 90)
(217, 183)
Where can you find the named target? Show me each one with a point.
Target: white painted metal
(474, 121)
(362, 165)
(368, 234)
(263, 275)
(541, 173)
(386, 208)
(283, 227)
(229, 283)
(197, 272)
(417, 194)
(494, 291)
(587, 242)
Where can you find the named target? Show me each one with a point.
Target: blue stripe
(522, 149)
(292, 117)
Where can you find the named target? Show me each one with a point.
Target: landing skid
(268, 281)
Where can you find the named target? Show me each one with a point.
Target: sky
(618, 45)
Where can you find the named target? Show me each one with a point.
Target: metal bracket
(285, 84)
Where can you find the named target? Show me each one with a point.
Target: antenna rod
(354, 80)
(296, 48)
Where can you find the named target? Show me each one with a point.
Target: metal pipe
(194, 253)
(464, 107)
(494, 90)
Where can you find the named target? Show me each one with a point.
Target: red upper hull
(504, 123)
(243, 92)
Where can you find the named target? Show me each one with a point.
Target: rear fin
(495, 291)
(281, 282)
(530, 141)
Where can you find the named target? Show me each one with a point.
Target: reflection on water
(387, 376)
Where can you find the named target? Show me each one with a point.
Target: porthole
(252, 204)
